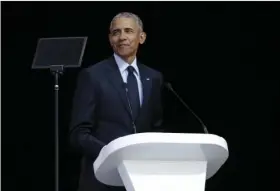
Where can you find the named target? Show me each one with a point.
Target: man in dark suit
(115, 97)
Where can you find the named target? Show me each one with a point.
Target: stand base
(163, 175)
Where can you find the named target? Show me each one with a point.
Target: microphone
(168, 85)
(129, 105)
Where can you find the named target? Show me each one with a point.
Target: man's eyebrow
(128, 28)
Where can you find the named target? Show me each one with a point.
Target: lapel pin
(147, 78)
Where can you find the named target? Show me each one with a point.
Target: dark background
(221, 57)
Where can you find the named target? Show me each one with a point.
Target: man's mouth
(123, 45)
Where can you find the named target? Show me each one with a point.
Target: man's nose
(123, 36)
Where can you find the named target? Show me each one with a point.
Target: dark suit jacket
(101, 113)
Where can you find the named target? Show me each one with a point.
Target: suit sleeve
(83, 114)
(158, 109)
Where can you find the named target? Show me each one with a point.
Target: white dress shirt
(124, 73)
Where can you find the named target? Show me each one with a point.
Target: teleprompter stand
(56, 71)
(56, 54)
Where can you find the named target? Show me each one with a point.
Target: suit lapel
(146, 84)
(117, 81)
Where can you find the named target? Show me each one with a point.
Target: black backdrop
(221, 58)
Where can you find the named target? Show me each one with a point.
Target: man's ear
(109, 37)
(143, 37)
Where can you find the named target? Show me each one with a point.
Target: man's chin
(124, 54)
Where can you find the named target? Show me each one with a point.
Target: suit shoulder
(97, 67)
(93, 73)
(153, 72)
(96, 70)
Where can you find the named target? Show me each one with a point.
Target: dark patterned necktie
(133, 92)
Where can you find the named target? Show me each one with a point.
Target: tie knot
(130, 69)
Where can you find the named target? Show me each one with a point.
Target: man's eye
(129, 31)
(115, 33)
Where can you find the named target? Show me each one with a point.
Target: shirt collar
(122, 65)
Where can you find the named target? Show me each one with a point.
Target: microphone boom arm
(168, 85)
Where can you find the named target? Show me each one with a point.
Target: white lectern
(161, 161)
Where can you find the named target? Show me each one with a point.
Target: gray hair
(129, 15)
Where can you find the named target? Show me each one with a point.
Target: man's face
(125, 36)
